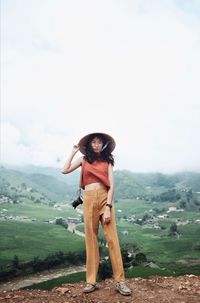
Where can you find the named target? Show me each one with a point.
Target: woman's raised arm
(69, 167)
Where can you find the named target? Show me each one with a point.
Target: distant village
(146, 220)
(20, 189)
(149, 220)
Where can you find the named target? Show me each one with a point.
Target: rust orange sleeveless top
(94, 172)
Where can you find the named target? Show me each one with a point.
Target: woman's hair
(105, 155)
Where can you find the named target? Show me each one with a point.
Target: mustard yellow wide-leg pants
(93, 208)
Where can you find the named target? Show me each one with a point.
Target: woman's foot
(89, 288)
(123, 289)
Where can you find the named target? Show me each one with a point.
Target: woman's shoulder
(83, 160)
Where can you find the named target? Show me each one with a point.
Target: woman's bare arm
(69, 166)
(111, 189)
(106, 215)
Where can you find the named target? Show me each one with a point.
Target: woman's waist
(96, 185)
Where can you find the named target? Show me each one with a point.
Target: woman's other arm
(111, 189)
(106, 215)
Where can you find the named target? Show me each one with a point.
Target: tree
(173, 229)
(182, 204)
(105, 269)
(37, 264)
(146, 217)
(59, 221)
(15, 262)
(140, 258)
(125, 256)
(131, 255)
(189, 195)
(23, 185)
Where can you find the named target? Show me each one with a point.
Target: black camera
(77, 202)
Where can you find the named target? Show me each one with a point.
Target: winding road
(21, 282)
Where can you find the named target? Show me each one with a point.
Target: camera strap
(79, 192)
(81, 174)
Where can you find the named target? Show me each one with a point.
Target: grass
(156, 244)
(185, 215)
(146, 272)
(28, 239)
(131, 207)
(40, 212)
(138, 208)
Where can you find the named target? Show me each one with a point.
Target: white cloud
(11, 149)
(40, 148)
(129, 68)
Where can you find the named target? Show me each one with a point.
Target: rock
(182, 289)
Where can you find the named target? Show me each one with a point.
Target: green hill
(19, 186)
(31, 198)
(71, 180)
(128, 184)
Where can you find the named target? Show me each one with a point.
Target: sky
(127, 68)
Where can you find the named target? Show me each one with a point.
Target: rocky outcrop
(182, 289)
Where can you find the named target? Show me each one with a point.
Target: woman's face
(97, 144)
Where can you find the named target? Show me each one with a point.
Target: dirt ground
(182, 289)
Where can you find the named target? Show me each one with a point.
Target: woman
(98, 183)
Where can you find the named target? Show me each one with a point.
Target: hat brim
(83, 142)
